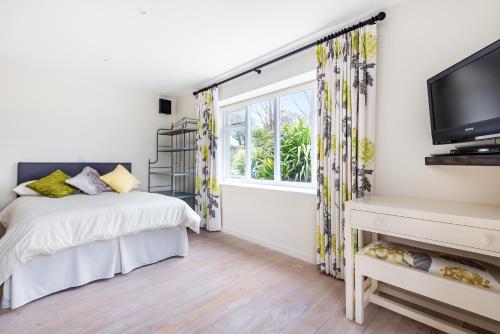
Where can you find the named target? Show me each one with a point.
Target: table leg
(359, 297)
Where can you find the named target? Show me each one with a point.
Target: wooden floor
(224, 285)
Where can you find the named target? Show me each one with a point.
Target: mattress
(39, 225)
(76, 266)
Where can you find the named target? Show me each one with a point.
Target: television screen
(464, 100)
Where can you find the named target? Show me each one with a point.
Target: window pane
(262, 144)
(237, 153)
(236, 116)
(295, 136)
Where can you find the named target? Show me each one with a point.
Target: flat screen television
(464, 100)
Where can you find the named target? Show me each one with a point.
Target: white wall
(47, 116)
(418, 39)
(280, 220)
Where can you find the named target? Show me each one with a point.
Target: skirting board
(310, 258)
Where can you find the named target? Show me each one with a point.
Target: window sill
(299, 190)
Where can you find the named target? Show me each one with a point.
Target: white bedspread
(41, 225)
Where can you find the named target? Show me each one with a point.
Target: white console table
(459, 228)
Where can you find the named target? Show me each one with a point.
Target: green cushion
(53, 185)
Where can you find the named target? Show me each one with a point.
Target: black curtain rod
(258, 69)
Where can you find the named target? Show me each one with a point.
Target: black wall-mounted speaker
(165, 107)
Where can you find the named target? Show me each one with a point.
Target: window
(270, 139)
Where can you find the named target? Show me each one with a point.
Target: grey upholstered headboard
(27, 171)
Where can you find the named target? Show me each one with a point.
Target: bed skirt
(46, 274)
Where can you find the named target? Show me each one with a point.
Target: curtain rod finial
(380, 16)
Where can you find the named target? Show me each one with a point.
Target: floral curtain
(207, 190)
(346, 132)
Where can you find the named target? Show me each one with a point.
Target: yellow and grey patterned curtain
(346, 130)
(207, 199)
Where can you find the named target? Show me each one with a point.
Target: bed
(55, 244)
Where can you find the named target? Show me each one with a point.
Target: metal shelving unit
(172, 172)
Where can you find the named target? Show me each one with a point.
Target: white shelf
(467, 214)
(432, 286)
(451, 227)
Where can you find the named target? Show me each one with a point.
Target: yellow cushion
(120, 180)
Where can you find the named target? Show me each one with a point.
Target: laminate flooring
(224, 285)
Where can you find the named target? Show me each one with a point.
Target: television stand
(472, 155)
(476, 159)
(476, 149)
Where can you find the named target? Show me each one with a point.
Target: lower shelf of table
(464, 296)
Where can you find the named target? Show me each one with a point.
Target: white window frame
(308, 82)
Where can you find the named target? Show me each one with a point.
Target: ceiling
(168, 46)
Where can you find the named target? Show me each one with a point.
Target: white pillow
(22, 190)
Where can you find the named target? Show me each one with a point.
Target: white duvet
(39, 225)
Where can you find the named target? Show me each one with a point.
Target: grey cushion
(88, 181)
